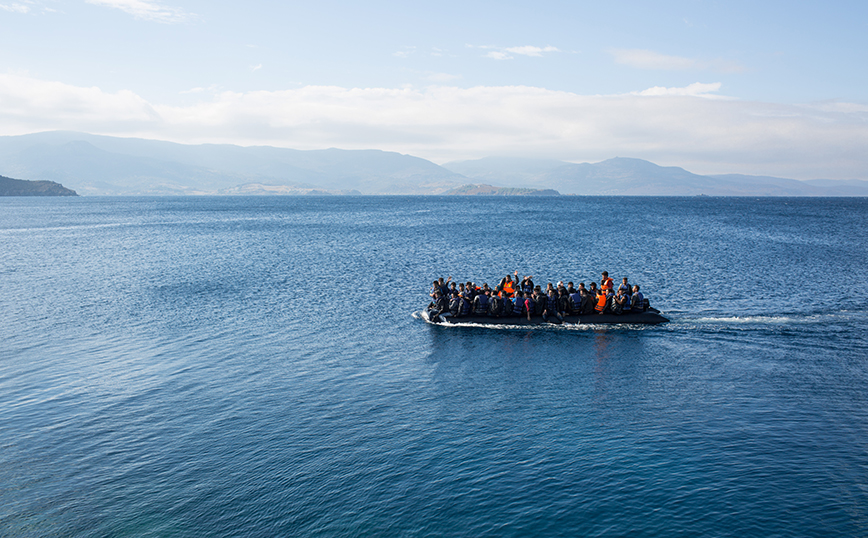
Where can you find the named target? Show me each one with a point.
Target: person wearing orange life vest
(606, 282)
(603, 296)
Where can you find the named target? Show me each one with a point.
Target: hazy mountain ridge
(104, 165)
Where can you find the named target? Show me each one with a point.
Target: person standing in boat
(606, 282)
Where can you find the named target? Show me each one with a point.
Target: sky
(766, 88)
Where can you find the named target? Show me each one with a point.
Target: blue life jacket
(518, 306)
(480, 305)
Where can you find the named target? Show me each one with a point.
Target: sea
(257, 366)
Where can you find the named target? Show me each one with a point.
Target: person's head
(605, 274)
(581, 285)
(635, 288)
(452, 285)
(593, 285)
(440, 280)
(624, 280)
(461, 287)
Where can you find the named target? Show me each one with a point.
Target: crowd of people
(521, 298)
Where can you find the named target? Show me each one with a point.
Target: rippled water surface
(252, 367)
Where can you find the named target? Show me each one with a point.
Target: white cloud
(530, 50)
(697, 89)
(256, 67)
(15, 8)
(648, 59)
(146, 10)
(506, 53)
(498, 55)
(669, 126)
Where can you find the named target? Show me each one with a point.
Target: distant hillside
(104, 165)
(107, 165)
(624, 176)
(21, 187)
(490, 190)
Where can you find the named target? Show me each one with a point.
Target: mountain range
(104, 165)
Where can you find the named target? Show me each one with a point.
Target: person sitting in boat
(627, 307)
(616, 303)
(576, 299)
(529, 305)
(563, 302)
(539, 301)
(455, 304)
(624, 285)
(589, 297)
(637, 301)
(480, 303)
(550, 310)
(602, 300)
(570, 289)
(495, 305)
(439, 306)
(518, 305)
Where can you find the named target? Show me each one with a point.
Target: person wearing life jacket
(480, 304)
(539, 301)
(455, 305)
(624, 285)
(550, 310)
(602, 300)
(616, 304)
(563, 302)
(606, 282)
(627, 307)
(507, 307)
(518, 305)
(527, 285)
(495, 306)
(570, 289)
(508, 286)
(589, 297)
(637, 301)
(576, 299)
(439, 306)
(529, 305)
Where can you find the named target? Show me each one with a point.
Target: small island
(490, 190)
(23, 187)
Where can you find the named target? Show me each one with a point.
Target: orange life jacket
(607, 283)
(601, 302)
(508, 289)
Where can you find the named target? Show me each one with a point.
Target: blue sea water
(252, 366)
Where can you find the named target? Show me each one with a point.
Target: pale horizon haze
(771, 88)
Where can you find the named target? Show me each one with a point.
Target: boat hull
(650, 317)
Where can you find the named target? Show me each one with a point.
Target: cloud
(506, 53)
(697, 89)
(256, 67)
(647, 59)
(669, 126)
(146, 10)
(530, 50)
(498, 55)
(15, 8)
